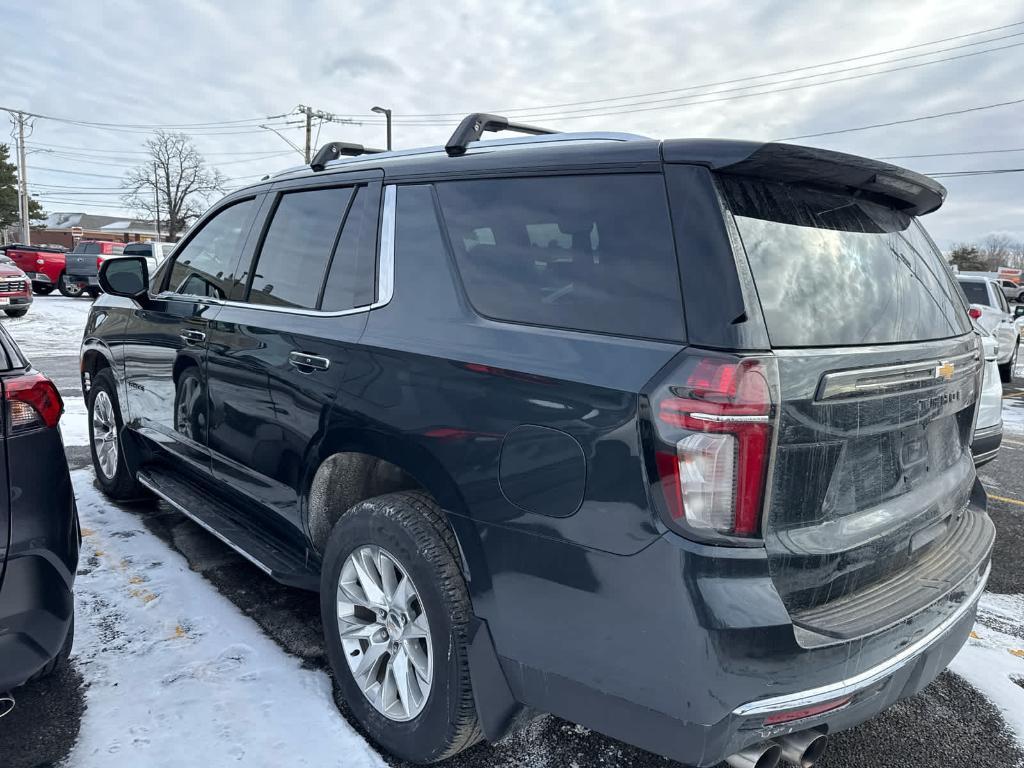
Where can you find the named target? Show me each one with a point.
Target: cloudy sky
(225, 67)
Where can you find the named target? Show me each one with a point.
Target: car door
(1006, 330)
(282, 349)
(166, 336)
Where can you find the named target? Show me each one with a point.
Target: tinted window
(87, 248)
(592, 253)
(205, 266)
(833, 270)
(350, 283)
(976, 292)
(298, 247)
(138, 250)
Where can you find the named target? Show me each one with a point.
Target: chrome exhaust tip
(804, 748)
(6, 704)
(763, 755)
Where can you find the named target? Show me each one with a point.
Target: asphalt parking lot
(949, 724)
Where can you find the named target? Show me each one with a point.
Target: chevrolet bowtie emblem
(945, 371)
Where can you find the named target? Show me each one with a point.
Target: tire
(111, 470)
(93, 293)
(61, 659)
(409, 529)
(72, 291)
(189, 419)
(1006, 369)
(42, 290)
(16, 312)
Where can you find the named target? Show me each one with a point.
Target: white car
(990, 310)
(988, 428)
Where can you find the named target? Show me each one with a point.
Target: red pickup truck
(43, 264)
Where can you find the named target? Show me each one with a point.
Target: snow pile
(993, 658)
(74, 424)
(53, 326)
(176, 675)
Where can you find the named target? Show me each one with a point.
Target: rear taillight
(32, 401)
(99, 261)
(713, 424)
(974, 313)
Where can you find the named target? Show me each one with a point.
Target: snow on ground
(176, 675)
(993, 659)
(53, 325)
(74, 424)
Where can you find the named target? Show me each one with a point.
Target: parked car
(82, 266)
(564, 424)
(39, 534)
(15, 289)
(989, 308)
(988, 428)
(1011, 290)
(44, 265)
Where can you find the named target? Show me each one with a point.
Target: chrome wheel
(104, 434)
(384, 633)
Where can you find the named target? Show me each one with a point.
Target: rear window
(837, 271)
(87, 248)
(976, 292)
(589, 253)
(138, 250)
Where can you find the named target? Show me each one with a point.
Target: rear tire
(94, 293)
(61, 659)
(428, 596)
(1006, 369)
(105, 444)
(16, 312)
(71, 290)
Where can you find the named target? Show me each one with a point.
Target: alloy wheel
(104, 434)
(385, 633)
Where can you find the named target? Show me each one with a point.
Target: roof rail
(336, 149)
(473, 126)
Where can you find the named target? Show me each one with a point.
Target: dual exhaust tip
(803, 749)
(6, 704)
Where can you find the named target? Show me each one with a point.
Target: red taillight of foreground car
(32, 401)
(714, 439)
(974, 313)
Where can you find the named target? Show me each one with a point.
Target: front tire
(16, 312)
(396, 613)
(105, 444)
(71, 290)
(42, 290)
(94, 293)
(1006, 369)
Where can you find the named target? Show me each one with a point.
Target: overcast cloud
(193, 61)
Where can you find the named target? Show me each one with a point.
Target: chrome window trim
(868, 677)
(385, 275)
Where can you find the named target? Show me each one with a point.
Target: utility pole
(308, 112)
(26, 236)
(319, 114)
(156, 194)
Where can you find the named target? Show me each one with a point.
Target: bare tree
(178, 175)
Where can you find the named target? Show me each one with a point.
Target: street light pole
(387, 116)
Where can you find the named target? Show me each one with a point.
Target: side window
(297, 250)
(1001, 300)
(591, 253)
(205, 265)
(350, 282)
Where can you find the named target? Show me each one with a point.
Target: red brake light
(32, 401)
(715, 440)
(799, 714)
(975, 313)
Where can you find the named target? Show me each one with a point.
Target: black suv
(573, 423)
(39, 535)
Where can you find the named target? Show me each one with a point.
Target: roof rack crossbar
(336, 149)
(473, 126)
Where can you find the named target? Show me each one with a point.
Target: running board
(281, 563)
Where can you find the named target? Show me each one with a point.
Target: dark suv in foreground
(573, 423)
(39, 535)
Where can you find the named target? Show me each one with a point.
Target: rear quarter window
(832, 270)
(976, 292)
(588, 253)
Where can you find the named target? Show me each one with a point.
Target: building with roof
(64, 228)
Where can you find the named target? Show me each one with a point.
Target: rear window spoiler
(904, 190)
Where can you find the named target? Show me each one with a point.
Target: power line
(137, 151)
(952, 154)
(903, 122)
(983, 172)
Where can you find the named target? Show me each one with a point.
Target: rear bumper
(691, 668)
(88, 280)
(35, 615)
(986, 443)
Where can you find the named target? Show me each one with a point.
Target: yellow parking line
(1006, 499)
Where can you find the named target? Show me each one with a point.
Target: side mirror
(1018, 311)
(126, 276)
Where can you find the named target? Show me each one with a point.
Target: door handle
(193, 337)
(308, 363)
